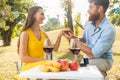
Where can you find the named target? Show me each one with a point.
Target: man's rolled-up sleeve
(104, 43)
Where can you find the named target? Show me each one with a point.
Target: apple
(74, 65)
(64, 64)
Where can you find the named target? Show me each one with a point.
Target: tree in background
(76, 26)
(16, 31)
(12, 12)
(52, 23)
(114, 12)
(67, 5)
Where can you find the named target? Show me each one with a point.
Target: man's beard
(94, 17)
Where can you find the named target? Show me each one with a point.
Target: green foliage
(5, 14)
(78, 25)
(114, 16)
(12, 12)
(65, 23)
(16, 30)
(12, 9)
(52, 24)
(0, 36)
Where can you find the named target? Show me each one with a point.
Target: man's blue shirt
(100, 40)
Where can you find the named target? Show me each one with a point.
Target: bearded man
(98, 36)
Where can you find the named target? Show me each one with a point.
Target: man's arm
(103, 44)
(85, 49)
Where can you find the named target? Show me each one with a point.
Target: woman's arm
(57, 43)
(23, 49)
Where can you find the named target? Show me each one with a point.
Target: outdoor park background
(15, 11)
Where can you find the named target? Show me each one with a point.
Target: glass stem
(49, 56)
(75, 57)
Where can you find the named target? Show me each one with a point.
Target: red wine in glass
(74, 48)
(75, 51)
(48, 49)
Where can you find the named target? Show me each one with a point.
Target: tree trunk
(6, 36)
(70, 24)
(69, 15)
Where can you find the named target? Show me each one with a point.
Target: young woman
(31, 40)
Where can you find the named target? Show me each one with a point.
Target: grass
(7, 67)
(8, 55)
(114, 73)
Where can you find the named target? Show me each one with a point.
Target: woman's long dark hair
(30, 20)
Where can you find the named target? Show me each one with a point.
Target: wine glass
(74, 49)
(48, 48)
